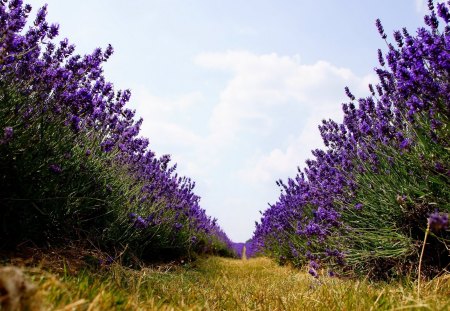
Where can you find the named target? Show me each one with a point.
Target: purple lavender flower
(55, 168)
(438, 221)
(371, 89)
(443, 12)
(313, 264)
(75, 123)
(380, 29)
(108, 145)
(109, 51)
(54, 31)
(405, 143)
(380, 58)
(349, 94)
(313, 272)
(358, 206)
(439, 167)
(40, 18)
(140, 223)
(8, 133)
(399, 38)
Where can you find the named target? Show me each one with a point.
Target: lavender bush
(72, 163)
(362, 204)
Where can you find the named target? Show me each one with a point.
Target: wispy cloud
(277, 94)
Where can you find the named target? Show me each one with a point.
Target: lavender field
(73, 164)
(79, 180)
(365, 203)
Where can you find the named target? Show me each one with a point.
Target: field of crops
(73, 165)
(365, 204)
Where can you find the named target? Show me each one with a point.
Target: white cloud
(159, 105)
(261, 84)
(159, 124)
(264, 166)
(264, 85)
(169, 126)
(262, 127)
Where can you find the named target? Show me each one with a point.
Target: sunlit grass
(229, 284)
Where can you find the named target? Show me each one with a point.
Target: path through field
(230, 284)
(261, 284)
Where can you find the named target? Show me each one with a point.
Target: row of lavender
(72, 164)
(247, 248)
(363, 203)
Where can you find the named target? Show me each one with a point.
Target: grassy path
(227, 284)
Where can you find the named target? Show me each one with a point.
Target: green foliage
(57, 185)
(384, 237)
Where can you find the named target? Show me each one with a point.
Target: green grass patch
(215, 283)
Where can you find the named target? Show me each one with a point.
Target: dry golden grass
(227, 284)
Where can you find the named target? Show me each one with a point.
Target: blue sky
(234, 90)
